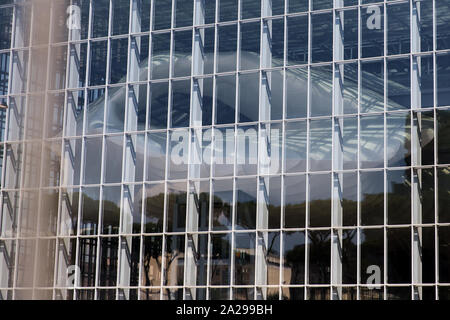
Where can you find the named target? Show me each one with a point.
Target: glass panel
(118, 64)
(276, 26)
(250, 9)
(182, 53)
(111, 210)
(245, 204)
(199, 206)
(443, 78)
(322, 36)
(294, 257)
(274, 81)
(176, 207)
(428, 255)
(398, 127)
(99, 51)
(207, 101)
(178, 151)
(115, 110)
(319, 257)
(113, 150)
(349, 256)
(398, 40)
(350, 22)
(100, 16)
(349, 186)
(426, 178)
(6, 15)
(247, 150)
(174, 261)
(372, 23)
(137, 107)
(372, 260)
(225, 99)
(120, 16)
(69, 212)
(72, 153)
(210, 11)
(250, 45)
(320, 145)
(159, 99)
(4, 73)
(151, 265)
(108, 263)
(349, 142)
(134, 157)
(183, 13)
(87, 253)
(372, 142)
(273, 201)
(272, 259)
(220, 262)
(132, 209)
(398, 84)
(443, 143)
(295, 147)
(399, 197)
(322, 4)
(296, 93)
(222, 204)
(297, 6)
(321, 90)
(442, 22)
(154, 208)
(181, 102)
(156, 156)
(426, 81)
(426, 25)
(443, 176)
(372, 86)
(162, 13)
(372, 198)
(89, 211)
(244, 259)
(57, 69)
(297, 37)
(54, 124)
(399, 256)
(93, 160)
(228, 10)
(320, 200)
(160, 55)
(223, 151)
(294, 201)
(227, 46)
(349, 85)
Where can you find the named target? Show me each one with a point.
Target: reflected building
(225, 149)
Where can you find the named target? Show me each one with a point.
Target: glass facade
(225, 149)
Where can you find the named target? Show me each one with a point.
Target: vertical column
(416, 150)
(337, 165)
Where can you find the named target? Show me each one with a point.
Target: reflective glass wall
(225, 149)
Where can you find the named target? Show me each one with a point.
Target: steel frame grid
(307, 173)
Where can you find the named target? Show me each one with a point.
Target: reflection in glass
(372, 142)
(320, 145)
(118, 64)
(108, 262)
(98, 62)
(227, 46)
(295, 147)
(399, 255)
(160, 55)
(222, 204)
(95, 111)
(151, 265)
(223, 151)
(100, 16)
(158, 105)
(156, 156)
(87, 255)
(174, 261)
(89, 211)
(220, 261)
(426, 81)
(250, 45)
(398, 127)
(182, 52)
(176, 207)
(92, 160)
(248, 101)
(245, 204)
(443, 136)
(322, 35)
(349, 187)
(398, 32)
(161, 12)
(111, 210)
(321, 90)
(247, 150)
(399, 84)
(443, 78)
(296, 93)
(372, 86)
(154, 208)
(372, 198)
(113, 150)
(372, 248)
(294, 257)
(225, 99)
(443, 177)
(294, 201)
(297, 40)
(181, 102)
(244, 259)
(183, 13)
(349, 256)
(372, 31)
(320, 200)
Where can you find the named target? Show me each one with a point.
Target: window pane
(320, 200)
(321, 90)
(98, 63)
(245, 204)
(399, 256)
(399, 84)
(322, 37)
(113, 150)
(227, 37)
(162, 13)
(297, 51)
(296, 93)
(443, 144)
(372, 23)
(372, 198)
(119, 54)
(294, 201)
(156, 156)
(225, 99)
(174, 260)
(319, 257)
(120, 16)
(297, 6)
(372, 142)
(350, 21)
(111, 210)
(244, 259)
(295, 147)
(182, 52)
(250, 45)
(115, 110)
(183, 13)
(154, 208)
(372, 86)
(372, 257)
(89, 211)
(158, 105)
(398, 132)
(178, 154)
(181, 102)
(248, 97)
(100, 16)
(442, 22)
(228, 10)
(320, 145)
(294, 257)
(220, 259)
(159, 66)
(399, 197)
(93, 160)
(443, 78)
(247, 150)
(398, 40)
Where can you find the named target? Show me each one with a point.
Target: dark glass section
(398, 130)
(372, 38)
(272, 186)
(98, 63)
(108, 264)
(297, 6)
(227, 48)
(100, 16)
(158, 105)
(444, 254)
(160, 56)
(443, 136)
(442, 22)
(349, 256)
(443, 79)
(294, 201)
(372, 198)
(111, 209)
(350, 21)
(399, 255)
(6, 15)
(372, 261)
(119, 54)
(443, 177)
(93, 160)
(320, 200)
(294, 257)
(250, 9)
(120, 16)
(184, 11)
(349, 187)
(162, 14)
(428, 255)
(225, 99)
(426, 80)
(174, 262)
(322, 36)
(151, 266)
(248, 98)
(319, 257)
(176, 207)
(399, 196)
(228, 10)
(181, 102)
(398, 84)
(87, 262)
(182, 53)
